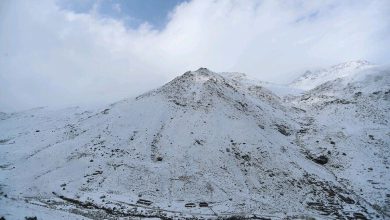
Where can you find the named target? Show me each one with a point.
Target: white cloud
(50, 56)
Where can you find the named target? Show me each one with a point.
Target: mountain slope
(311, 79)
(203, 139)
(349, 118)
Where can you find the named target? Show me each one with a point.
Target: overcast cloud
(50, 56)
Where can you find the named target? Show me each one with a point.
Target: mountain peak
(202, 70)
(204, 88)
(200, 75)
(192, 87)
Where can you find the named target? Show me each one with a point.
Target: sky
(131, 12)
(61, 53)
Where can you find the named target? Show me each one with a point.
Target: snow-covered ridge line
(311, 79)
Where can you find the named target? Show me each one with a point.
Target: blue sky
(132, 12)
(100, 51)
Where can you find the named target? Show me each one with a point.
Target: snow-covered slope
(349, 119)
(203, 139)
(278, 89)
(311, 79)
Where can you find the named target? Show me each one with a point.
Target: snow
(19, 209)
(278, 89)
(245, 147)
(311, 79)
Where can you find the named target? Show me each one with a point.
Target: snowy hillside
(207, 145)
(349, 119)
(311, 79)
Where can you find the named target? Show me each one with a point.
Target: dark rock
(37, 130)
(338, 101)
(321, 159)
(97, 172)
(246, 157)
(303, 131)
(3, 141)
(347, 199)
(283, 130)
(203, 204)
(159, 158)
(199, 142)
(332, 142)
(242, 106)
(357, 94)
(105, 111)
(144, 202)
(178, 103)
(190, 205)
(359, 216)
(31, 218)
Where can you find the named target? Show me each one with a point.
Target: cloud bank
(50, 56)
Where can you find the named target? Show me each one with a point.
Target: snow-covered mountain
(207, 145)
(312, 78)
(352, 114)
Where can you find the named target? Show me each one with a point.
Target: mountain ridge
(311, 79)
